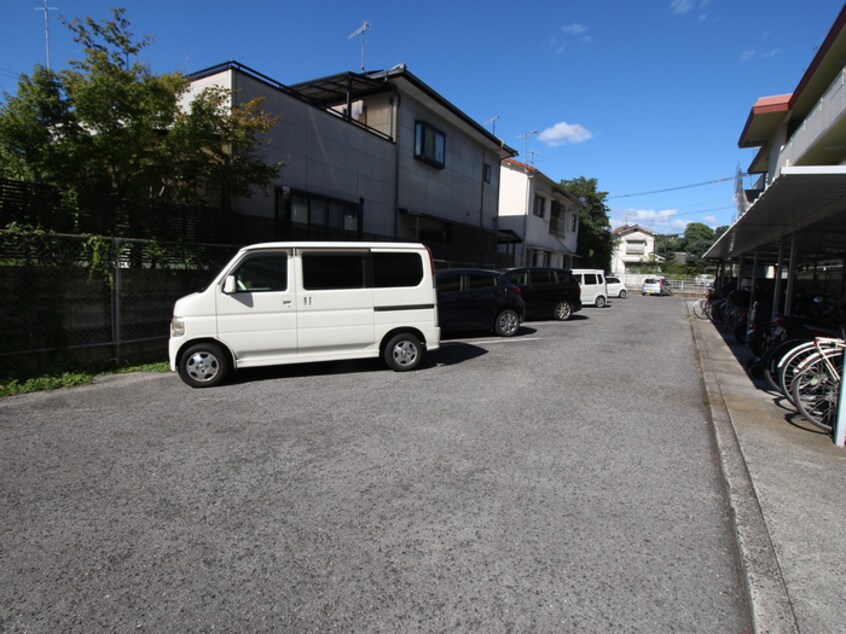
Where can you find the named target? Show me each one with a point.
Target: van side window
(263, 273)
(322, 271)
(480, 281)
(517, 277)
(590, 278)
(397, 269)
(542, 278)
(449, 283)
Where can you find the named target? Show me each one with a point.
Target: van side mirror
(229, 285)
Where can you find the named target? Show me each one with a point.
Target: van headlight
(177, 327)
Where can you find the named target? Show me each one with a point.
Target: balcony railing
(557, 226)
(830, 109)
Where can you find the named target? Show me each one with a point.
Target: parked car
(656, 286)
(297, 302)
(592, 282)
(704, 279)
(615, 287)
(478, 299)
(547, 292)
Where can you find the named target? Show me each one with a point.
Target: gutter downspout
(395, 128)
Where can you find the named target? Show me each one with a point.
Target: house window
(539, 203)
(636, 246)
(324, 217)
(488, 173)
(575, 222)
(429, 145)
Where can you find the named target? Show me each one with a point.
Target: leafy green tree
(698, 238)
(596, 241)
(666, 245)
(108, 125)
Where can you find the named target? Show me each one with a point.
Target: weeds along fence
(71, 299)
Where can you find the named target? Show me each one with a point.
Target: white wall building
(632, 245)
(542, 216)
(371, 155)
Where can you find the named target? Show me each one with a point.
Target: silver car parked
(656, 286)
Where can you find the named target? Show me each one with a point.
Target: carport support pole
(791, 276)
(840, 419)
(778, 275)
(753, 282)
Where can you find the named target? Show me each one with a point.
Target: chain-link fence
(79, 299)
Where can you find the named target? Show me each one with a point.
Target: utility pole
(46, 11)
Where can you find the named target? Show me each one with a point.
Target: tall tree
(109, 125)
(595, 239)
(698, 238)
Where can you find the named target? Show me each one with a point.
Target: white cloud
(748, 55)
(771, 53)
(574, 29)
(563, 133)
(657, 220)
(681, 7)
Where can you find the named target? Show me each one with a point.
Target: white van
(286, 302)
(592, 283)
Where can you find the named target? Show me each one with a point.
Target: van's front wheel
(203, 365)
(403, 352)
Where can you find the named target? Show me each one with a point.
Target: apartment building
(792, 203)
(375, 155)
(541, 218)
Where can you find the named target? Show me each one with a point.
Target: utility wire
(672, 189)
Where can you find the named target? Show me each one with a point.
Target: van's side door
(258, 321)
(335, 303)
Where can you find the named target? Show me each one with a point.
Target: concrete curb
(769, 603)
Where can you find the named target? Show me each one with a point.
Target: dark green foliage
(595, 238)
(110, 126)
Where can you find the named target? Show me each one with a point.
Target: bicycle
(702, 308)
(816, 386)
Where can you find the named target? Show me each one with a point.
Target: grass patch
(12, 386)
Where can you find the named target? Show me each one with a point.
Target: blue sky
(643, 96)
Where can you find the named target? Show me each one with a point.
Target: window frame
(430, 152)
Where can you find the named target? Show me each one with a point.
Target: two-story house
(375, 155)
(543, 218)
(632, 245)
(792, 204)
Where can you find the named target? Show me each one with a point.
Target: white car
(656, 286)
(615, 287)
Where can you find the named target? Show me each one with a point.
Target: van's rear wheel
(563, 311)
(403, 352)
(204, 365)
(600, 301)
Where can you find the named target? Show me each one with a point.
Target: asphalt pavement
(567, 480)
(786, 481)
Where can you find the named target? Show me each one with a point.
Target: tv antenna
(365, 26)
(493, 120)
(526, 136)
(46, 11)
(531, 155)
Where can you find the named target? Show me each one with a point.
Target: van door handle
(286, 302)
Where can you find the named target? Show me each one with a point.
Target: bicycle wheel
(816, 388)
(702, 308)
(793, 362)
(788, 364)
(773, 356)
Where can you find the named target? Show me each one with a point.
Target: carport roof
(808, 201)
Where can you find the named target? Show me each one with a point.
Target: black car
(476, 299)
(547, 292)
